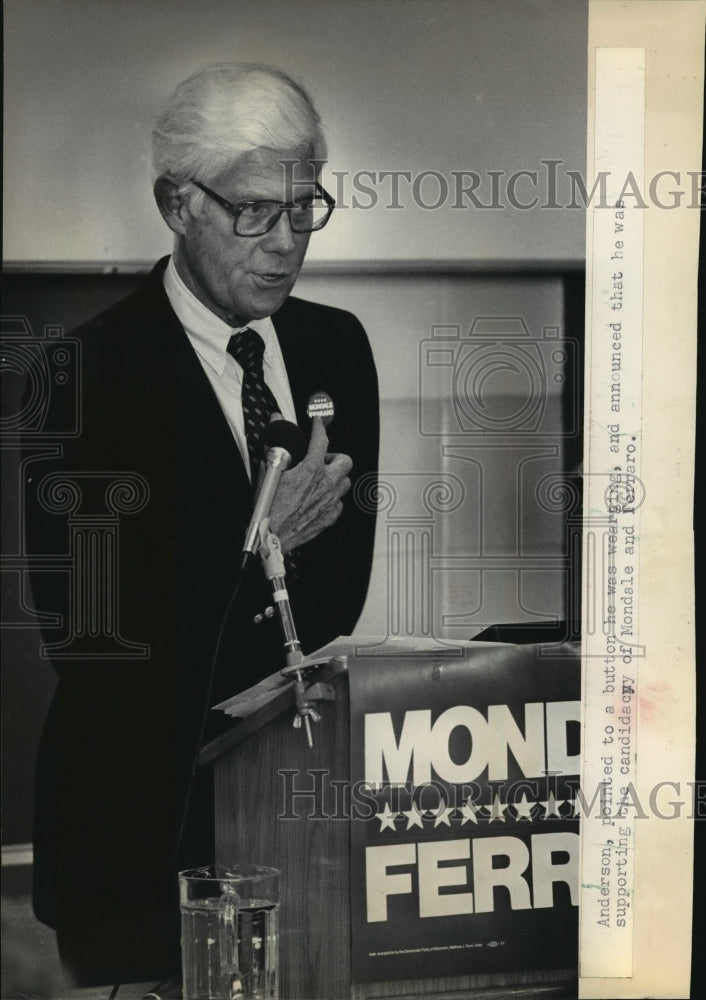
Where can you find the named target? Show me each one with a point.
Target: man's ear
(171, 203)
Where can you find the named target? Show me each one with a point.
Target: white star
(552, 806)
(387, 818)
(442, 815)
(468, 811)
(414, 818)
(524, 807)
(497, 809)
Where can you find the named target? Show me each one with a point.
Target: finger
(318, 443)
(340, 465)
(327, 512)
(309, 509)
(306, 532)
(329, 488)
(331, 514)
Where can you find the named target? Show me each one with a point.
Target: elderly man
(179, 380)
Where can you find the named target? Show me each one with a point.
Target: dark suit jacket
(122, 733)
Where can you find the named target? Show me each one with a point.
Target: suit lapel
(303, 366)
(203, 438)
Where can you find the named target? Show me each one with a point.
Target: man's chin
(268, 299)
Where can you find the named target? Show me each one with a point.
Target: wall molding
(322, 267)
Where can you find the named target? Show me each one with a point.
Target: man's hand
(309, 495)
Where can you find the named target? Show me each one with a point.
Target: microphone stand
(270, 549)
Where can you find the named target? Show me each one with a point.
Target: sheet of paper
(644, 148)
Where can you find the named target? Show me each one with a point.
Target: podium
(280, 803)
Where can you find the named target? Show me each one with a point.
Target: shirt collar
(208, 333)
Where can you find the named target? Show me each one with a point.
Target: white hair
(229, 109)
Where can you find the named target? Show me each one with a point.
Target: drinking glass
(229, 940)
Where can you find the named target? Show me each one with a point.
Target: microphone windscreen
(285, 434)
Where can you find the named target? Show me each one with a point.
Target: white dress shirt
(209, 336)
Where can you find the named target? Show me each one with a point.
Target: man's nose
(280, 238)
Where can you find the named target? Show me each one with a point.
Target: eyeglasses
(255, 218)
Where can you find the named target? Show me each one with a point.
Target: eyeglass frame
(283, 206)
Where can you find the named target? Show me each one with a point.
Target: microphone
(285, 446)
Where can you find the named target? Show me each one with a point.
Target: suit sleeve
(339, 562)
(359, 518)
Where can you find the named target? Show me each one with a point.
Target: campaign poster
(465, 816)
